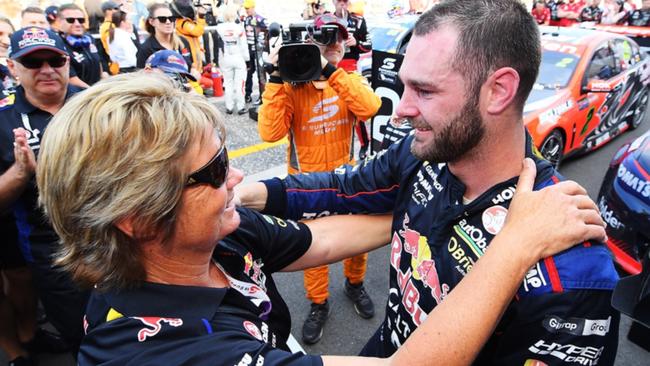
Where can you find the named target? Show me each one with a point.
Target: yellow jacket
(193, 32)
(318, 117)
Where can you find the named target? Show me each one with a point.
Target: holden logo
(494, 218)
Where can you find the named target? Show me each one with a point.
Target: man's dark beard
(461, 134)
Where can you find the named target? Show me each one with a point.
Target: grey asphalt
(345, 332)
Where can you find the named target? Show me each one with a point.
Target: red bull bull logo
(153, 325)
(411, 238)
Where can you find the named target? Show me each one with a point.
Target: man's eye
(424, 93)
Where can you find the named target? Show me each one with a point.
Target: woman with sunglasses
(134, 176)
(162, 35)
(123, 42)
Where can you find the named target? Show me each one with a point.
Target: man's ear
(12, 68)
(127, 226)
(502, 86)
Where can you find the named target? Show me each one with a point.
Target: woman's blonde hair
(230, 13)
(113, 152)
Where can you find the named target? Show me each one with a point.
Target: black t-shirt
(245, 324)
(85, 60)
(151, 45)
(32, 226)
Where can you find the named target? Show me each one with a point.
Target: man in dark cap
(52, 16)
(38, 58)
(173, 65)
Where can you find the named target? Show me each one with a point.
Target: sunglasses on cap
(213, 173)
(78, 20)
(37, 63)
(163, 19)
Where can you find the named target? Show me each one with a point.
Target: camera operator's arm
(354, 90)
(276, 112)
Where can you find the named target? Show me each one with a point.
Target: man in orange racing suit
(319, 117)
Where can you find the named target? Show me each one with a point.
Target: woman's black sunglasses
(213, 173)
(37, 63)
(170, 19)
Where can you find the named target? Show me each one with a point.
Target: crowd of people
(566, 13)
(118, 203)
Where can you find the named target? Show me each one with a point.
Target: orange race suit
(318, 117)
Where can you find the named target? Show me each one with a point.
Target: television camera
(299, 58)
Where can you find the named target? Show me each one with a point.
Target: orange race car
(591, 87)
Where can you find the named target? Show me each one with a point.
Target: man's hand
(351, 41)
(25, 159)
(551, 219)
(274, 45)
(201, 11)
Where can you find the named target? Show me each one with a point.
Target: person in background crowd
(107, 8)
(630, 5)
(320, 141)
(554, 7)
(640, 17)
(541, 12)
(615, 12)
(137, 12)
(7, 81)
(448, 185)
(190, 24)
(123, 42)
(592, 12)
(569, 12)
(313, 8)
(172, 64)
(33, 16)
(40, 60)
(358, 42)
(17, 297)
(253, 24)
(233, 60)
(52, 16)
(162, 35)
(93, 9)
(183, 277)
(84, 55)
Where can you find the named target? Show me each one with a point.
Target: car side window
(627, 53)
(603, 64)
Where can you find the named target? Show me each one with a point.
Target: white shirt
(122, 49)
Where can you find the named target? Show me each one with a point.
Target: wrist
(517, 248)
(21, 172)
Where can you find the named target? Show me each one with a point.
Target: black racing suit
(561, 314)
(254, 26)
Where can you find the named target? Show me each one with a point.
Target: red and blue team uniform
(562, 310)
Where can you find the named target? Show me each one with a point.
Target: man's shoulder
(586, 266)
